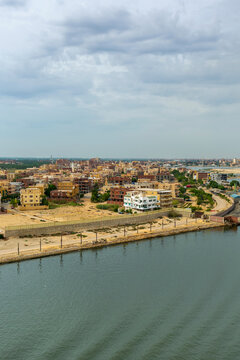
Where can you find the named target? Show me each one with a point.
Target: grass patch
(84, 236)
(62, 203)
(109, 207)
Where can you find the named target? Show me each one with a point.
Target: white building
(218, 177)
(140, 201)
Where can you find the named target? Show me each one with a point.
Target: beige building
(68, 186)
(164, 197)
(30, 199)
(173, 187)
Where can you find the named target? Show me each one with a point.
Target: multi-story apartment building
(218, 177)
(14, 187)
(197, 175)
(164, 175)
(120, 180)
(69, 186)
(117, 195)
(164, 197)
(61, 194)
(173, 187)
(30, 199)
(85, 185)
(140, 201)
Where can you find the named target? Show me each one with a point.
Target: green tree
(49, 189)
(95, 193)
(14, 202)
(105, 196)
(234, 182)
(44, 200)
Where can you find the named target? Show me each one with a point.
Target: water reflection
(61, 260)
(18, 268)
(81, 256)
(40, 265)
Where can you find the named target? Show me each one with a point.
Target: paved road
(236, 211)
(221, 204)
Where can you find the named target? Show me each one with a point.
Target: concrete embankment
(56, 250)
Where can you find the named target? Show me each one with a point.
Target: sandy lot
(65, 213)
(234, 170)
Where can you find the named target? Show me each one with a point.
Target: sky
(123, 79)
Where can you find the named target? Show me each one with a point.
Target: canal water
(173, 298)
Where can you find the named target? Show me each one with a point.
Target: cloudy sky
(120, 78)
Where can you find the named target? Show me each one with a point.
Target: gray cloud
(155, 33)
(13, 3)
(149, 68)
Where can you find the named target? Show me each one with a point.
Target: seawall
(56, 250)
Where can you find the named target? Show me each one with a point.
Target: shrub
(173, 214)
(110, 207)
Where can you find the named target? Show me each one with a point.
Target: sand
(65, 213)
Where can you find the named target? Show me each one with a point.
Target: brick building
(117, 195)
(85, 185)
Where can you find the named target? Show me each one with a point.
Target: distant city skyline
(119, 80)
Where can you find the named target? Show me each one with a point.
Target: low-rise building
(61, 194)
(69, 186)
(218, 177)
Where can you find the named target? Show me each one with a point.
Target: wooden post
(96, 235)
(124, 231)
(186, 221)
(137, 229)
(150, 227)
(40, 245)
(174, 223)
(18, 249)
(61, 240)
(162, 223)
(81, 238)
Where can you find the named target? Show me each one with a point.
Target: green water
(177, 298)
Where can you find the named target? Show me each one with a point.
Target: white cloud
(161, 64)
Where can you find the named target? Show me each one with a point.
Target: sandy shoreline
(70, 244)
